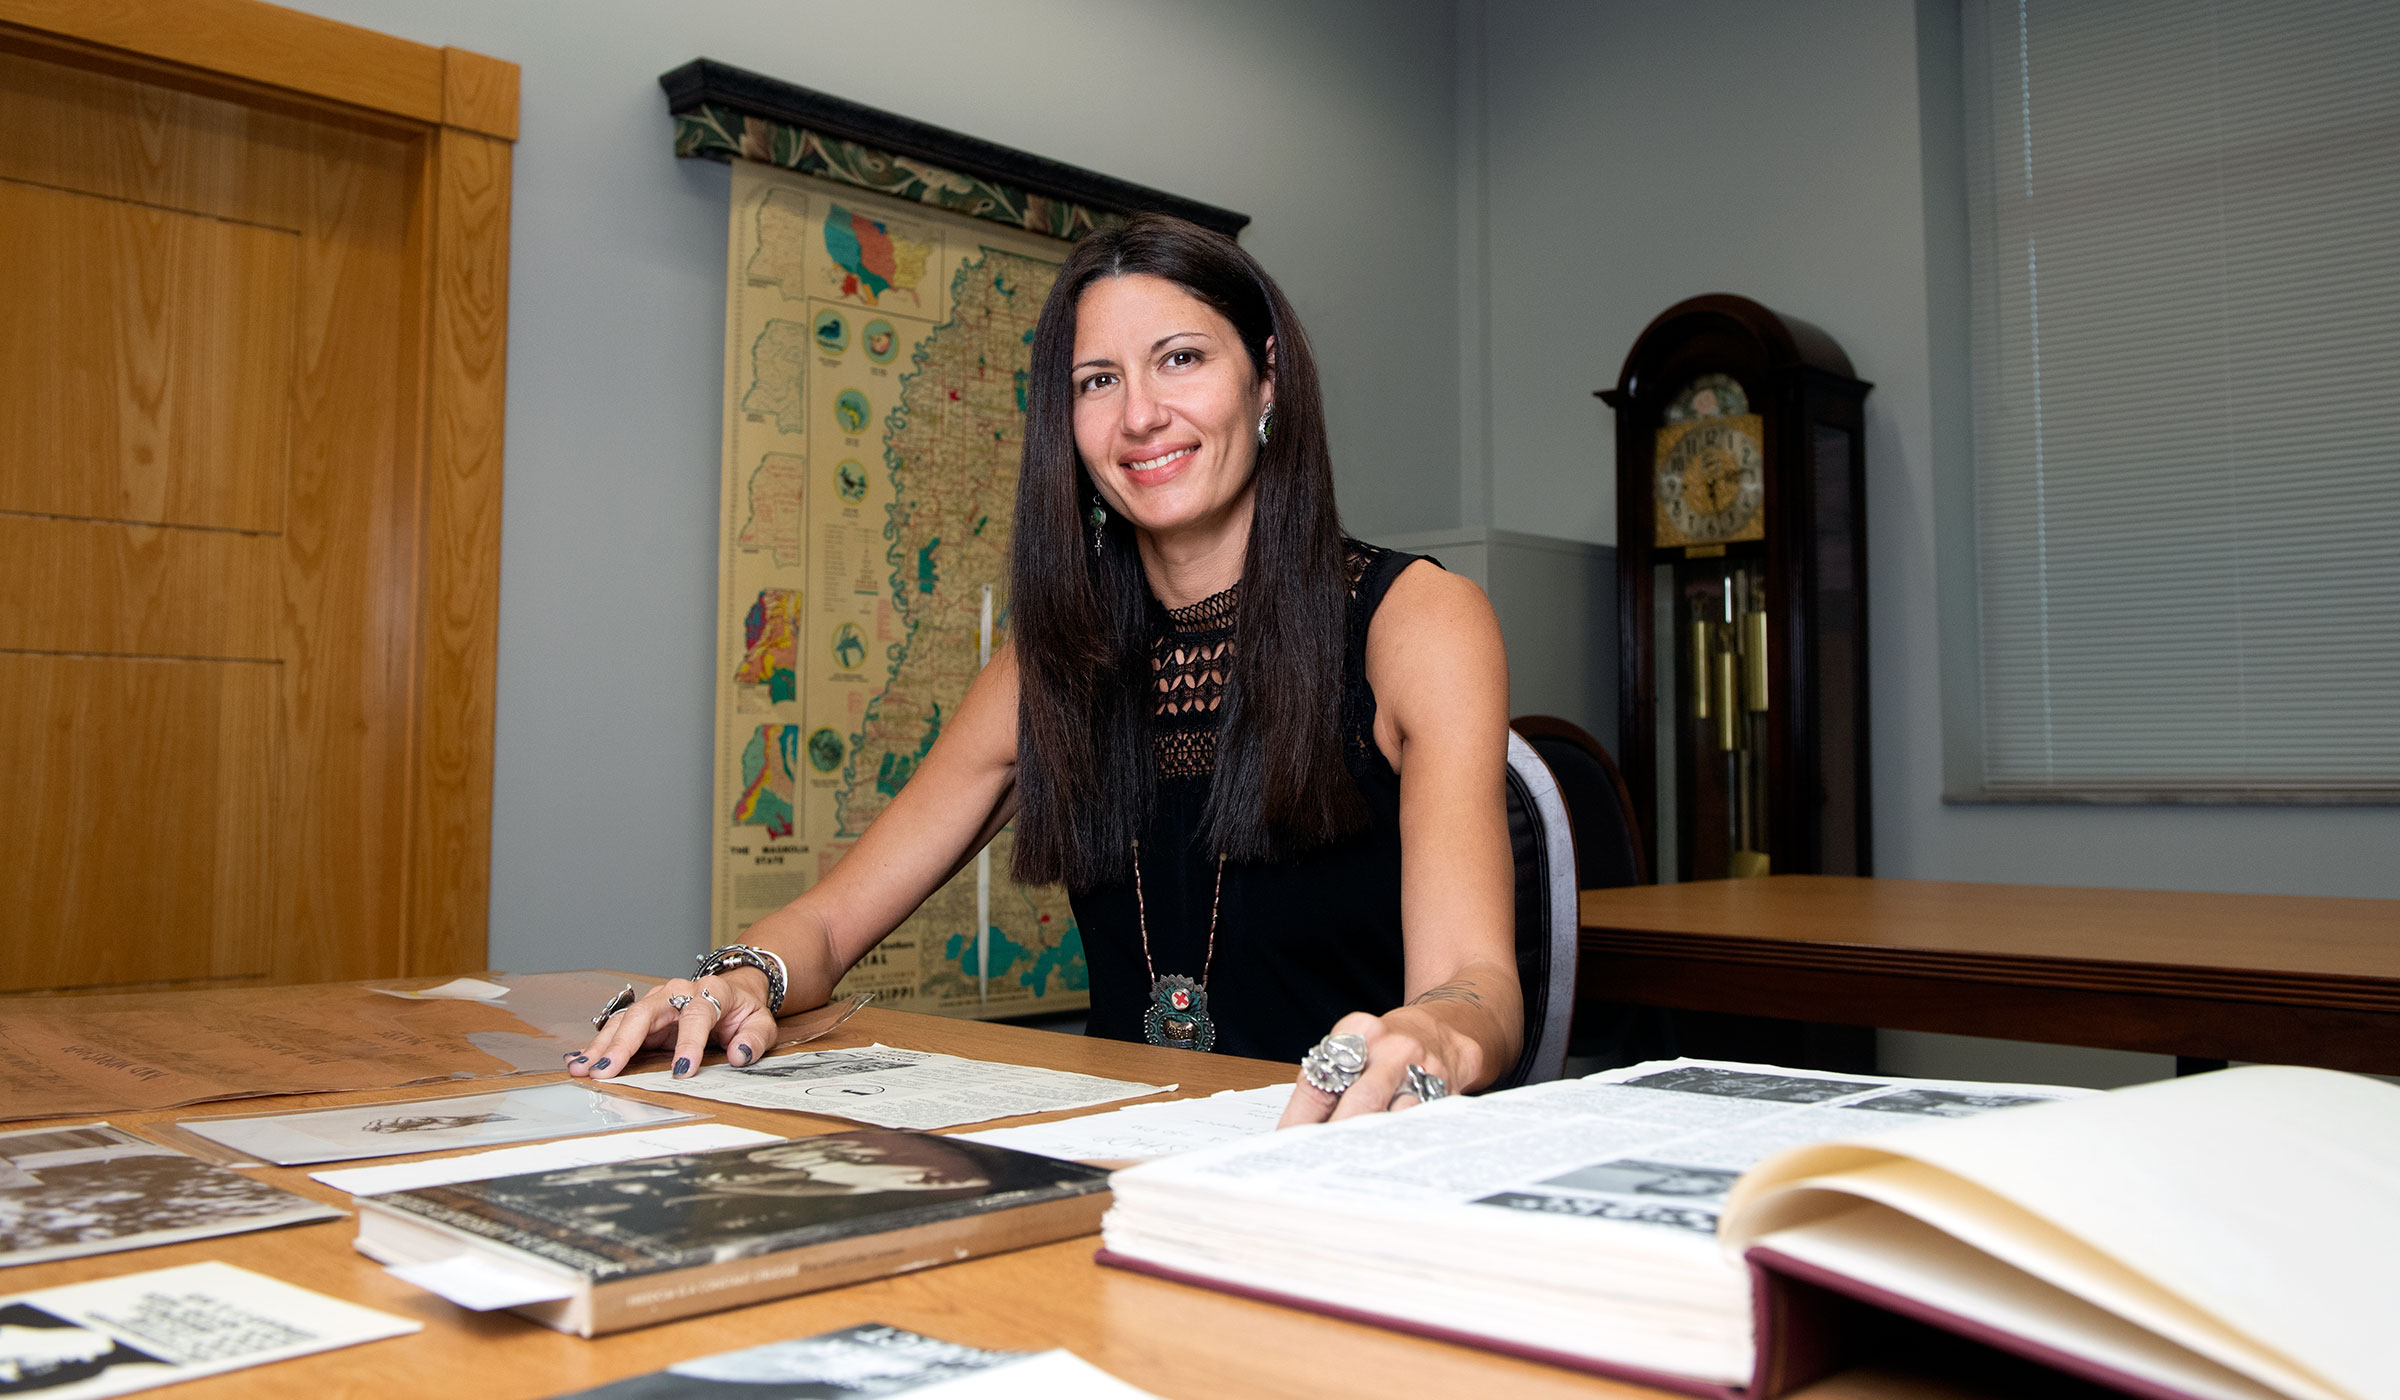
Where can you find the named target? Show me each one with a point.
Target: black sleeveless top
(1299, 943)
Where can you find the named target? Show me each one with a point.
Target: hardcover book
(2228, 1236)
(624, 1244)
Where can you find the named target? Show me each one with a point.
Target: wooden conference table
(2285, 979)
(1176, 1341)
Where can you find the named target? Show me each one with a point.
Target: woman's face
(1166, 403)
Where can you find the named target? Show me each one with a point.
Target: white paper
(456, 989)
(430, 1125)
(1047, 1375)
(171, 1325)
(540, 1157)
(1142, 1131)
(896, 1088)
(479, 1284)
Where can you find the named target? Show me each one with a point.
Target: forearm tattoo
(1458, 989)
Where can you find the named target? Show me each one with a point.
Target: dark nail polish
(682, 1067)
(601, 1063)
(580, 1056)
(744, 1052)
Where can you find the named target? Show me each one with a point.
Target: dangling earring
(1266, 424)
(1099, 519)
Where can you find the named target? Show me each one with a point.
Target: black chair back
(1608, 849)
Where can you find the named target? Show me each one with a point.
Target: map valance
(722, 112)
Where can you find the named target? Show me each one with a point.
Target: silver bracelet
(715, 962)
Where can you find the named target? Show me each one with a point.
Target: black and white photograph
(430, 1125)
(666, 1212)
(1944, 1103)
(93, 1189)
(866, 1360)
(1748, 1084)
(43, 1352)
(1630, 1177)
(829, 1064)
(1690, 1219)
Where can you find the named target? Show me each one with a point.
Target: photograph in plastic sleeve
(91, 1189)
(429, 1125)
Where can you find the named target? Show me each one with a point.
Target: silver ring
(1333, 1064)
(1423, 1083)
(711, 999)
(679, 1003)
(617, 1003)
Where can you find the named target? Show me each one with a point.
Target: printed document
(897, 1088)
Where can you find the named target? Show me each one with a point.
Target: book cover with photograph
(662, 1237)
(91, 1188)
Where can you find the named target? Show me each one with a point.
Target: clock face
(1711, 483)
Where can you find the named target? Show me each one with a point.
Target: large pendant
(1178, 1015)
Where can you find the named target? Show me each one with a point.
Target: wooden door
(218, 306)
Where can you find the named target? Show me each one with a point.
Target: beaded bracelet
(715, 963)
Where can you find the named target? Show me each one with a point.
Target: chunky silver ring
(1332, 1065)
(1425, 1084)
(679, 1003)
(617, 1003)
(711, 999)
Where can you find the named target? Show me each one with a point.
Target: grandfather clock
(1742, 594)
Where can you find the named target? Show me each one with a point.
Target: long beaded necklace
(1178, 1016)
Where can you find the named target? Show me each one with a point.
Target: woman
(1266, 761)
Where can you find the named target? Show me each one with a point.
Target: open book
(1723, 1229)
(2232, 1236)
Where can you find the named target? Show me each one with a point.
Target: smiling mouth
(1163, 459)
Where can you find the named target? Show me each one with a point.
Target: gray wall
(1540, 178)
(1316, 120)
(1638, 154)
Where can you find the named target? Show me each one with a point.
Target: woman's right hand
(736, 1018)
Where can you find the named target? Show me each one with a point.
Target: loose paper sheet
(170, 1325)
(481, 1284)
(1141, 1131)
(456, 989)
(429, 1125)
(896, 1088)
(540, 1157)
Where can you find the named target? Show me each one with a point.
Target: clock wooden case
(1742, 594)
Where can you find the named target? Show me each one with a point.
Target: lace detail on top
(1190, 663)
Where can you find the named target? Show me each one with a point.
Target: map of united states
(871, 259)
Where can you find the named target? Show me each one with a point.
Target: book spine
(638, 1302)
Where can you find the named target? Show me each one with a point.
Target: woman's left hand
(1395, 1041)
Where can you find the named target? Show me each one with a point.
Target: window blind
(2185, 225)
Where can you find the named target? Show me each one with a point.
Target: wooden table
(1173, 1340)
(2213, 976)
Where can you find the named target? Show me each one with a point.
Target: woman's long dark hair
(1082, 622)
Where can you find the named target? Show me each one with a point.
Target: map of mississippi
(875, 358)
